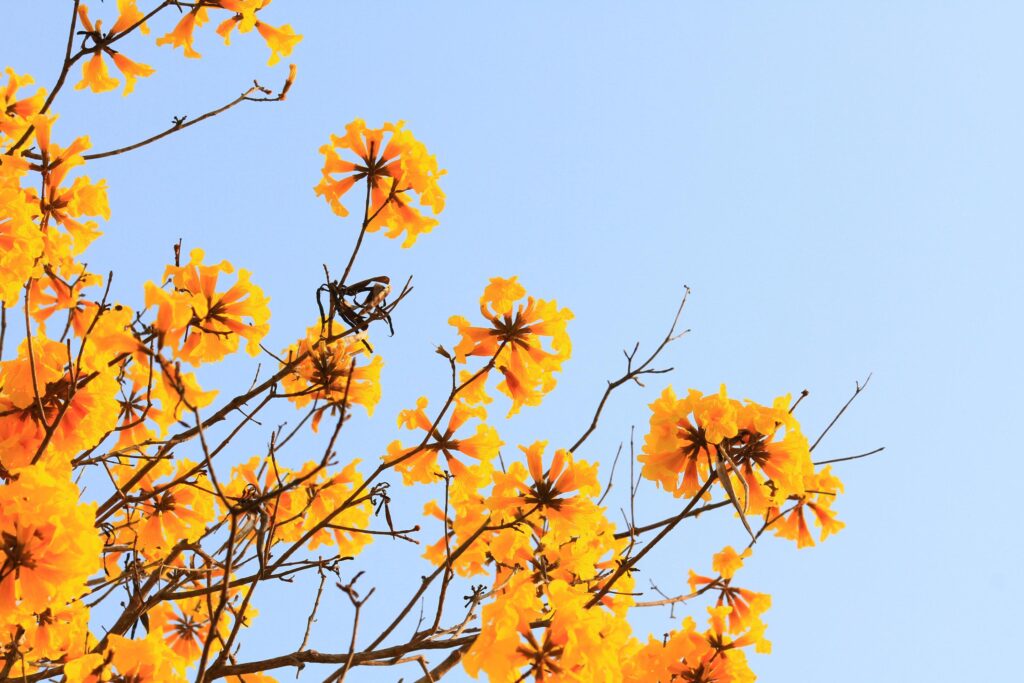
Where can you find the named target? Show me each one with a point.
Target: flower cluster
(101, 396)
(396, 166)
(513, 340)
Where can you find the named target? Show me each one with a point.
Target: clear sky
(839, 184)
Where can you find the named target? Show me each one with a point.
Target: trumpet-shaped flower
(395, 165)
(513, 340)
(201, 324)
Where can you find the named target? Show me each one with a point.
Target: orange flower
(21, 242)
(130, 70)
(64, 205)
(201, 324)
(329, 373)
(182, 34)
(549, 491)
(168, 511)
(820, 491)
(79, 409)
(692, 436)
(16, 111)
(281, 41)
(149, 660)
(394, 164)
(418, 464)
(94, 71)
(48, 543)
(95, 75)
(513, 340)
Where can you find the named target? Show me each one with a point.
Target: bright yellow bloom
(185, 625)
(128, 14)
(21, 242)
(130, 70)
(149, 660)
(49, 545)
(561, 493)
(65, 205)
(320, 495)
(15, 111)
(200, 324)
(95, 75)
(281, 40)
(331, 374)
(820, 490)
(94, 71)
(418, 464)
(513, 340)
(47, 636)
(394, 164)
(698, 434)
(182, 34)
(81, 409)
(170, 510)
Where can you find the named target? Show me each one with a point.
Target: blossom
(280, 40)
(759, 448)
(95, 75)
(16, 111)
(51, 408)
(419, 463)
(201, 324)
(48, 544)
(394, 165)
(94, 70)
(182, 33)
(319, 502)
(820, 490)
(21, 242)
(561, 493)
(65, 205)
(514, 340)
(327, 370)
(147, 660)
(178, 508)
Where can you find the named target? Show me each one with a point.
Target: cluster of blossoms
(96, 388)
(756, 453)
(240, 15)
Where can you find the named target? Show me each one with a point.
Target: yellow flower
(420, 464)
(329, 372)
(149, 660)
(561, 493)
(95, 75)
(94, 71)
(201, 324)
(15, 111)
(49, 545)
(281, 41)
(819, 492)
(65, 205)
(182, 34)
(168, 511)
(514, 342)
(394, 164)
(79, 409)
(760, 449)
(21, 242)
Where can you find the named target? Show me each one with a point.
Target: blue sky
(838, 183)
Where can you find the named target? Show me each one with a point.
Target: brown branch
(850, 457)
(358, 659)
(633, 374)
(859, 388)
(180, 123)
